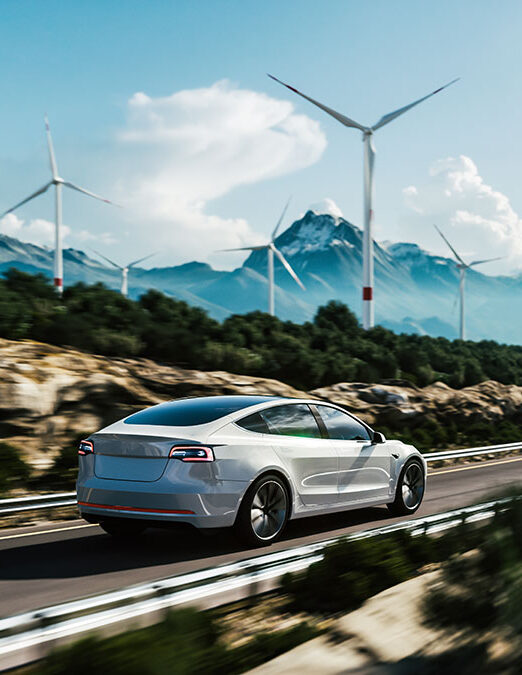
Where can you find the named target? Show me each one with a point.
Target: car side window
(291, 420)
(255, 423)
(341, 426)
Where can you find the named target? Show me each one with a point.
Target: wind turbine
(369, 158)
(58, 184)
(271, 250)
(124, 270)
(463, 268)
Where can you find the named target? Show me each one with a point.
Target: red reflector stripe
(132, 508)
(58, 282)
(367, 293)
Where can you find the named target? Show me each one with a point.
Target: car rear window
(193, 411)
(254, 423)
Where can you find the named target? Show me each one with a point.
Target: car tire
(121, 528)
(410, 489)
(263, 512)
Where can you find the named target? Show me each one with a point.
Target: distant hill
(415, 292)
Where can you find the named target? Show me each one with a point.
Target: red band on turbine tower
(58, 282)
(367, 293)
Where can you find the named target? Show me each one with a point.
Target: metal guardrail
(60, 499)
(25, 637)
(35, 502)
(471, 452)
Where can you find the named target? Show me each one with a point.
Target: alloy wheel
(413, 486)
(268, 510)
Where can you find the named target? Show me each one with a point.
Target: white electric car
(248, 462)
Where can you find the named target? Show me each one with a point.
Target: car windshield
(192, 411)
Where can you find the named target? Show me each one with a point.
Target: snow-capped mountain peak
(316, 232)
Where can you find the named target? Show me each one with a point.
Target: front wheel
(121, 528)
(263, 512)
(410, 489)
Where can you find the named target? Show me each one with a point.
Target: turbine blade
(86, 192)
(457, 256)
(142, 259)
(480, 262)
(52, 158)
(107, 259)
(386, 119)
(243, 248)
(280, 220)
(27, 199)
(288, 268)
(338, 116)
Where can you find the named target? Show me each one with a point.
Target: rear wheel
(263, 512)
(410, 489)
(121, 528)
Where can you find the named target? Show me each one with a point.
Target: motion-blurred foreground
(453, 604)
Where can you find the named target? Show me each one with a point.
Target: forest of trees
(332, 348)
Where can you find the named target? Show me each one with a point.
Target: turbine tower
(58, 184)
(271, 251)
(463, 268)
(124, 270)
(369, 158)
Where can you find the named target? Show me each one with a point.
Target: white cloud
(185, 150)
(103, 237)
(327, 205)
(41, 232)
(36, 231)
(478, 220)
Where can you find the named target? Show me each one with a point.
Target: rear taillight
(85, 448)
(192, 453)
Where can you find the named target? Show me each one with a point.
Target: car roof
(240, 405)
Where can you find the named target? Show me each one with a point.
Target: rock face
(52, 396)
(398, 400)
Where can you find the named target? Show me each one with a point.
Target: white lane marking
(58, 529)
(475, 466)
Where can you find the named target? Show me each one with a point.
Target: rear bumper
(213, 505)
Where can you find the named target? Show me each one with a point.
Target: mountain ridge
(415, 291)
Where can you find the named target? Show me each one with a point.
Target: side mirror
(378, 437)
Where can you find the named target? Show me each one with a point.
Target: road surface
(47, 564)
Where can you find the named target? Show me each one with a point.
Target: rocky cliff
(51, 396)
(400, 400)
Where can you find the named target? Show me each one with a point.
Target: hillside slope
(50, 397)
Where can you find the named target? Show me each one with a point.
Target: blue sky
(83, 62)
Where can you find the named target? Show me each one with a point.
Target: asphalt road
(47, 564)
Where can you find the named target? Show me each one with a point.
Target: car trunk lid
(132, 457)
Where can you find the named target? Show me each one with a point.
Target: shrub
(187, 642)
(14, 472)
(482, 591)
(354, 570)
(350, 572)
